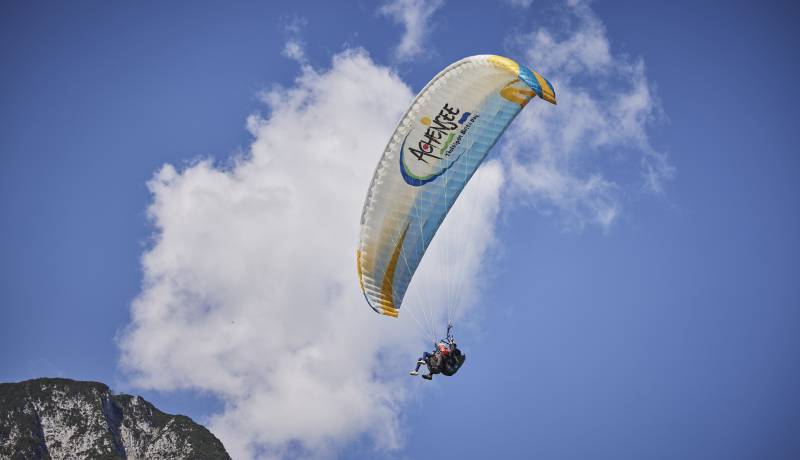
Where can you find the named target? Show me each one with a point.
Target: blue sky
(669, 331)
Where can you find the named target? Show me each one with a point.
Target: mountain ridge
(57, 418)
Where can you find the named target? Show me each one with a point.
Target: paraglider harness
(447, 364)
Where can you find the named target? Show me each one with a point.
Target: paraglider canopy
(437, 147)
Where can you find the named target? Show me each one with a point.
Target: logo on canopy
(433, 148)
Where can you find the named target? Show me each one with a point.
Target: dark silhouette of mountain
(51, 418)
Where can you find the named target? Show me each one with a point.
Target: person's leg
(420, 362)
(427, 361)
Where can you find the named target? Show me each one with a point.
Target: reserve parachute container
(437, 147)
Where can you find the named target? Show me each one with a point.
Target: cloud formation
(520, 3)
(559, 158)
(250, 290)
(294, 48)
(414, 16)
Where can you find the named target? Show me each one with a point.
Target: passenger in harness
(446, 358)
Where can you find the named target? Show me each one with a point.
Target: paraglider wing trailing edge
(437, 147)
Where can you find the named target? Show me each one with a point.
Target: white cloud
(520, 3)
(250, 290)
(605, 106)
(295, 51)
(294, 48)
(414, 16)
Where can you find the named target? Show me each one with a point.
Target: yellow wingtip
(505, 63)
